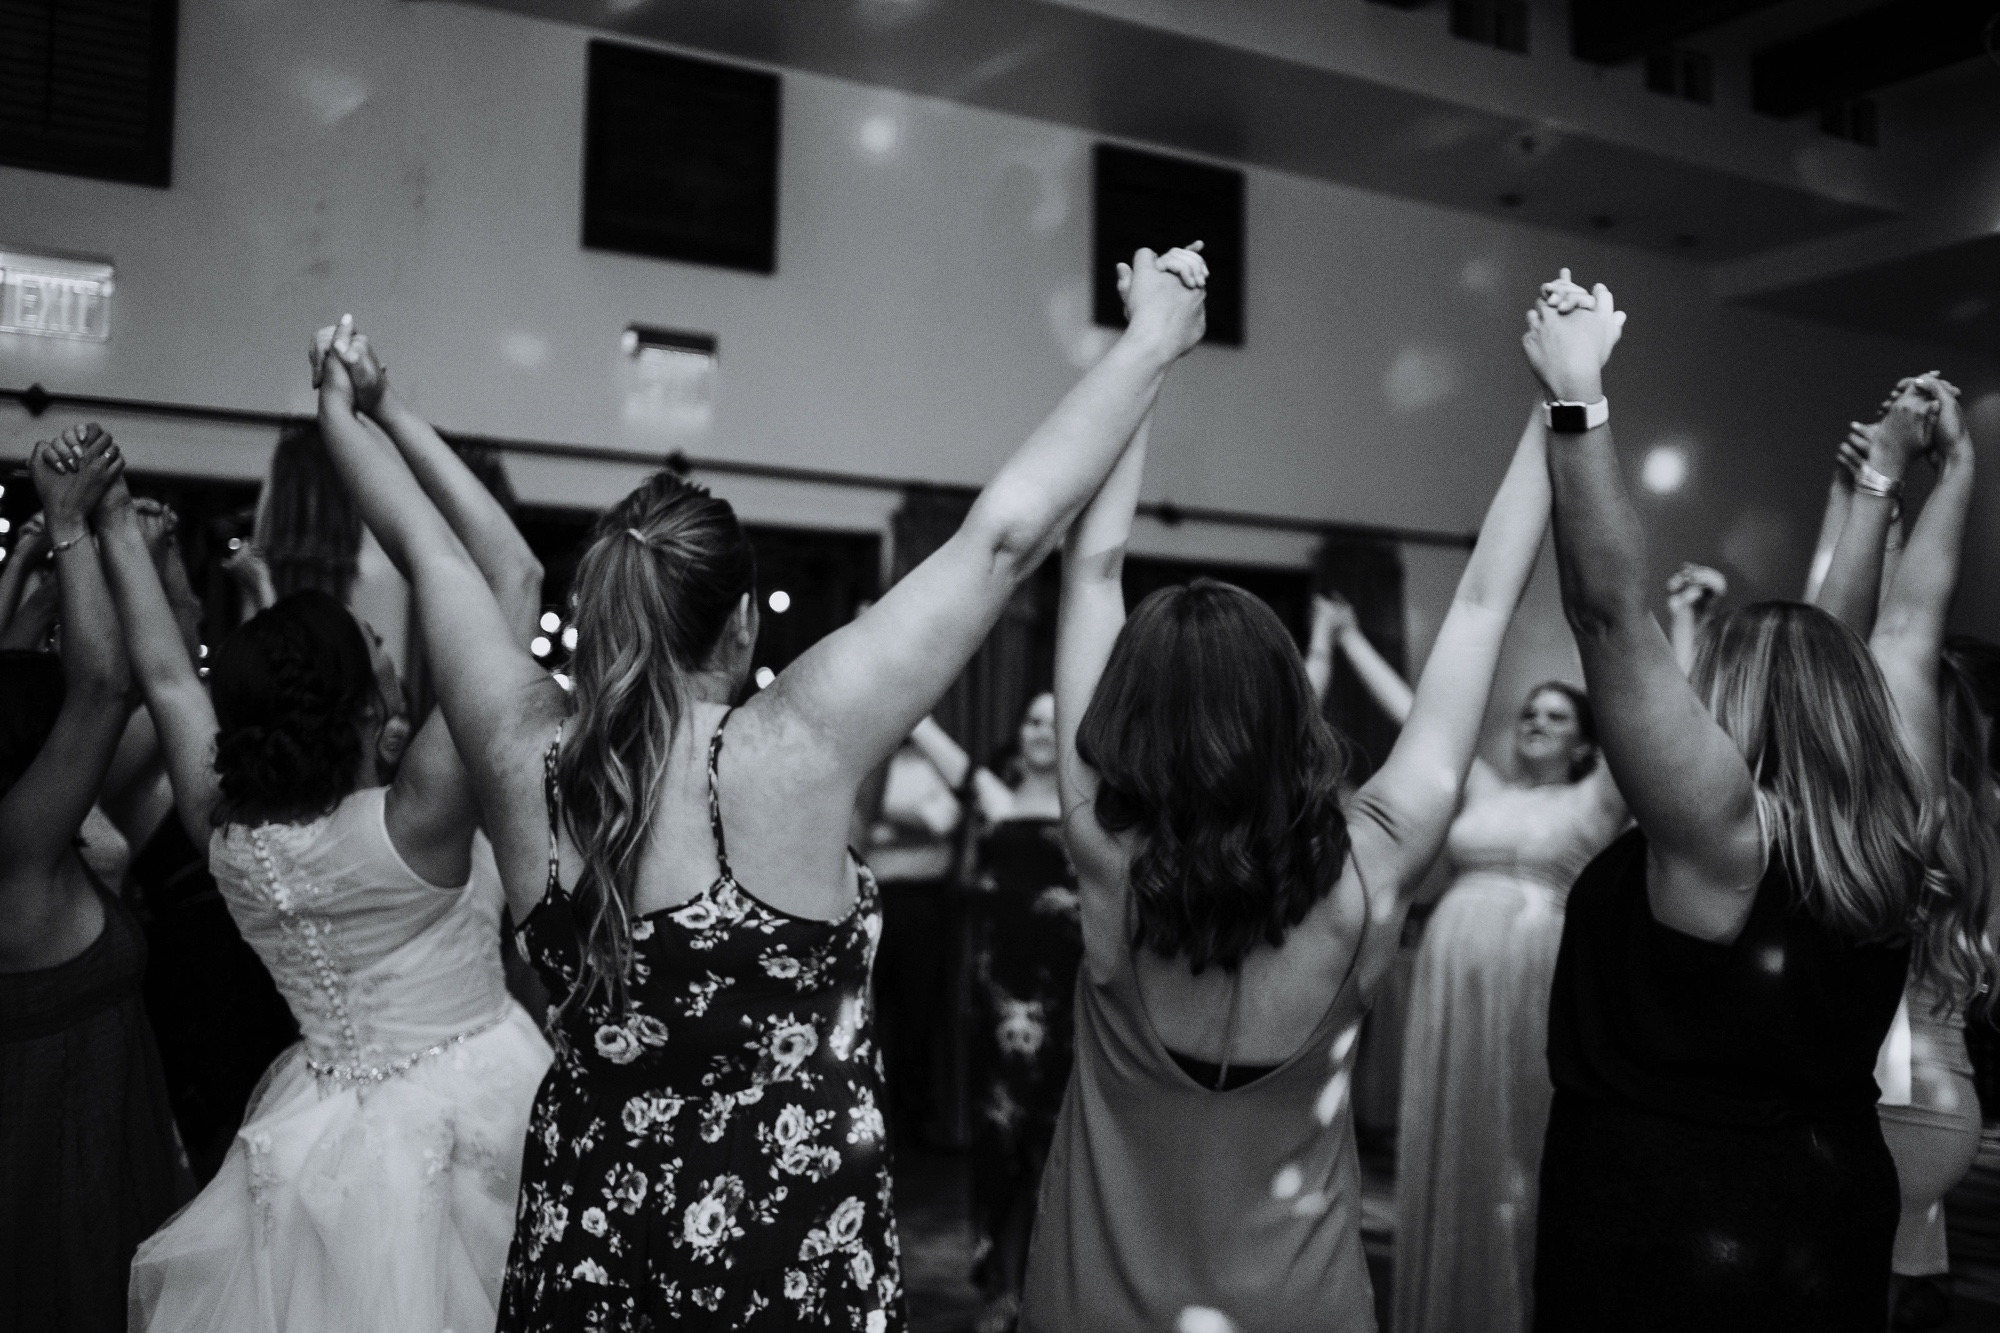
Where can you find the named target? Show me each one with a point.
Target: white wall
(419, 166)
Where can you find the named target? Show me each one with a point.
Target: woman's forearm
(1852, 587)
(1839, 499)
(1602, 555)
(1047, 483)
(946, 755)
(1385, 685)
(489, 535)
(152, 635)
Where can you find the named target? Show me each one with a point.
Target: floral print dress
(1027, 943)
(714, 1156)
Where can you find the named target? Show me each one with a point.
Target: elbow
(521, 581)
(1014, 532)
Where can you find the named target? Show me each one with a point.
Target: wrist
(1148, 343)
(67, 531)
(1576, 388)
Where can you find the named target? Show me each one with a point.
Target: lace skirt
(367, 1208)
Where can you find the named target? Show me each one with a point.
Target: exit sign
(55, 298)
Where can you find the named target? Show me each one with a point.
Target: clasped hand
(1570, 336)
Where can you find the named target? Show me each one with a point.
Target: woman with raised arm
(1693, 593)
(1027, 944)
(1730, 967)
(88, 1160)
(1236, 921)
(1929, 1110)
(1475, 1080)
(371, 1183)
(708, 1149)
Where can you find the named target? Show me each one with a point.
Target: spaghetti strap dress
(713, 1156)
(1714, 1160)
(1169, 1204)
(89, 1163)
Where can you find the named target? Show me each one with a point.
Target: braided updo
(291, 687)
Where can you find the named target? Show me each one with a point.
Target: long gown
(1476, 1085)
(371, 1187)
(89, 1163)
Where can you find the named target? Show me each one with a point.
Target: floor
(937, 1245)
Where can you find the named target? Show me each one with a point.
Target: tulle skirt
(374, 1208)
(1476, 1096)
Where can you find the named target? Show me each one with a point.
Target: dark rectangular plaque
(1145, 199)
(681, 159)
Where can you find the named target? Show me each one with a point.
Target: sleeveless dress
(1475, 1098)
(1714, 1161)
(371, 1187)
(1027, 944)
(89, 1164)
(1933, 1135)
(714, 1157)
(214, 1008)
(1169, 1205)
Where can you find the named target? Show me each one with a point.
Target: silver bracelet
(60, 547)
(1879, 484)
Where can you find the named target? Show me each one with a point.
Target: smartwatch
(1576, 418)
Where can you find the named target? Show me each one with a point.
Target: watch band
(1871, 482)
(1575, 418)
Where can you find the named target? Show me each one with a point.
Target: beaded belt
(382, 1073)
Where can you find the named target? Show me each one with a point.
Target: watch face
(1568, 418)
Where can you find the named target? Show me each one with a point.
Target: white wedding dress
(371, 1188)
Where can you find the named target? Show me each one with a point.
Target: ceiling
(1095, 65)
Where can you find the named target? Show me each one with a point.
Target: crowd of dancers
(1685, 1041)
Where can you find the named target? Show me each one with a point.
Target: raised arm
(499, 702)
(161, 664)
(41, 813)
(31, 546)
(955, 766)
(1406, 808)
(1692, 593)
(1680, 773)
(861, 689)
(1385, 685)
(1088, 621)
(430, 808)
(1852, 588)
(1909, 633)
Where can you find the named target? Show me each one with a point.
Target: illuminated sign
(55, 298)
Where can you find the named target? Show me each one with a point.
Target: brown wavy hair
(1846, 805)
(654, 590)
(1208, 744)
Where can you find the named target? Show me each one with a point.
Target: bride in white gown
(371, 1188)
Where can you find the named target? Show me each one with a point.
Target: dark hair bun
(290, 687)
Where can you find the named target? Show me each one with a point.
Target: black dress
(1713, 1159)
(89, 1165)
(1027, 943)
(715, 1156)
(214, 1008)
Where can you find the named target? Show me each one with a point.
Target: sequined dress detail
(372, 1183)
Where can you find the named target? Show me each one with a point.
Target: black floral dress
(1027, 943)
(714, 1157)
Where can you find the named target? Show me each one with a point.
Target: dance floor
(937, 1244)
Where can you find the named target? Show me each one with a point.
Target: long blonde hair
(1969, 836)
(654, 590)
(1846, 803)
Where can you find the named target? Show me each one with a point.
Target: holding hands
(344, 365)
(1570, 336)
(1694, 590)
(1332, 616)
(1166, 296)
(72, 473)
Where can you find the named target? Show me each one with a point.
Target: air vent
(1146, 199)
(87, 87)
(680, 159)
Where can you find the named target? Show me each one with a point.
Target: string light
(765, 676)
(781, 601)
(551, 622)
(539, 646)
(569, 638)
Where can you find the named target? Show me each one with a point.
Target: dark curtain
(308, 527)
(1368, 571)
(982, 709)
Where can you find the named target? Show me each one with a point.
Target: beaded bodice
(380, 968)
